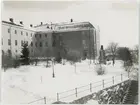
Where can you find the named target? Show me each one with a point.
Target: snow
(29, 83)
(93, 102)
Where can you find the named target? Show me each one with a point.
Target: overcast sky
(118, 21)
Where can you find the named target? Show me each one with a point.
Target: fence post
(103, 83)
(90, 87)
(57, 96)
(44, 100)
(76, 92)
(113, 79)
(121, 77)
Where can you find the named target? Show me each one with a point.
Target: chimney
(21, 22)
(31, 25)
(71, 20)
(41, 23)
(11, 20)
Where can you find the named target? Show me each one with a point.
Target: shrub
(9, 62)
(100, 69)
(16, 62)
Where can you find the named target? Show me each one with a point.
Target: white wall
(18, 37)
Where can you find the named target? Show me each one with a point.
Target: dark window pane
(8, 30)
(15, 31)
(9, 42)
(31, 43)
(9, 52)
(21, 42)
(16, 42)
(46, 44)
(2, 52)
(40, 44)
(21, 33)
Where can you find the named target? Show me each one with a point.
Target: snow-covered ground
(30, 83)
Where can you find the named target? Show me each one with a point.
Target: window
(15, 31)
(46, 44)
(40, 44)
(27, 43)
(35, 35)
(31, 43)
(9, 52)
(21, 42)
(9, 42)
(2, 52)
(16, 42)
(45, 35)
(8, 30)
(40, 35)
(36, 44)
(26, 33)
(21, 33)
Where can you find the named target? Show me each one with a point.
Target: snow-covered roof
(19, 26)
(65, 26)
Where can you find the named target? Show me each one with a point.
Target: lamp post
(53, 75)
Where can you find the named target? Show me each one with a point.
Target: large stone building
(45, 40)
(13, 36)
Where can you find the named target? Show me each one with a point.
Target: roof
(12, 23)
(20, 26)
(73, 25)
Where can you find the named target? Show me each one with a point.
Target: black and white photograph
(69, 52)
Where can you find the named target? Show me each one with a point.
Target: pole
(90, 87)
(76, 92)
(57, 97)
(53, 75)
(44, 100)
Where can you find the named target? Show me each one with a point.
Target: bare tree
(136, 54)
(137, 49)
(112, 49)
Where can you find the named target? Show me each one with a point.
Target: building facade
(51, 40)
(13, 37)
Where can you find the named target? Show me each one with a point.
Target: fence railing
(91, 87)
(44, 99)
(86, 88)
